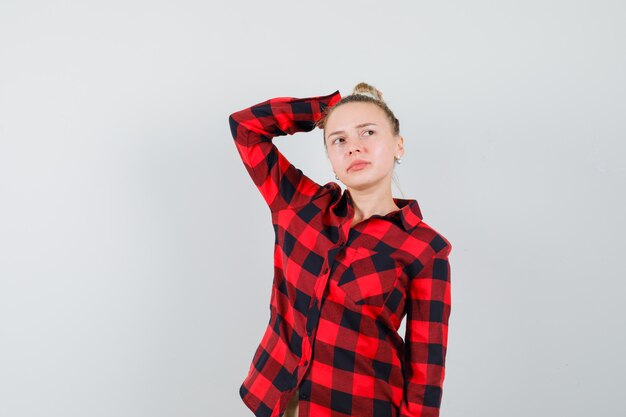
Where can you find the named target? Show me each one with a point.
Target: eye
(336, 139)
(368, 132)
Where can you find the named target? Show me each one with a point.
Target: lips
(358, 164)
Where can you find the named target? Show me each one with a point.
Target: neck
(370, 202)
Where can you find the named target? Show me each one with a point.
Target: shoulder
(324, 197)
(429, 241)
(328, 194)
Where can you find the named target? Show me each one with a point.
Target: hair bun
(367, 90)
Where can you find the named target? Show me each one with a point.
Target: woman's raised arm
(281, 184)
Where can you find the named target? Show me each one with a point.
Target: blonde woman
(349, 266)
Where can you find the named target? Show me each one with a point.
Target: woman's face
(361, 131)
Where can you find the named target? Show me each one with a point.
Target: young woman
(348, 267)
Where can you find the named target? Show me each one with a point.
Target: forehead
(352, 114)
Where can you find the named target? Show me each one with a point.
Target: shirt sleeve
(426, 339)
(281, 184)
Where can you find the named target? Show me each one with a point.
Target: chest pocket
(369, 277)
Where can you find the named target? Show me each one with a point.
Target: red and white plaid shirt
(339, 292)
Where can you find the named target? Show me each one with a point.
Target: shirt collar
(407, 216)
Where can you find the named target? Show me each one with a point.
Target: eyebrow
(357, 126)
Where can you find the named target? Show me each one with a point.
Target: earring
(336, 177)
(398, 159)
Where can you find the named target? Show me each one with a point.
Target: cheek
(335, 156)
(384, 156)
(334, 161)
(382, 151)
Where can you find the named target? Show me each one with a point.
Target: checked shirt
(340, 293)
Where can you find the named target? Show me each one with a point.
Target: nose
(354, 145)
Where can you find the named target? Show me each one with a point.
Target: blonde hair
(363, 93)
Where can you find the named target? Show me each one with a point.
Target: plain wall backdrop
(136, 253)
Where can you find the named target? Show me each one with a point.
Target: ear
(400, 146)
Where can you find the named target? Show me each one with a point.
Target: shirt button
(305, 363)
(303, 396)
(325, 271)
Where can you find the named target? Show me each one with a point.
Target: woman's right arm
(281, 184)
